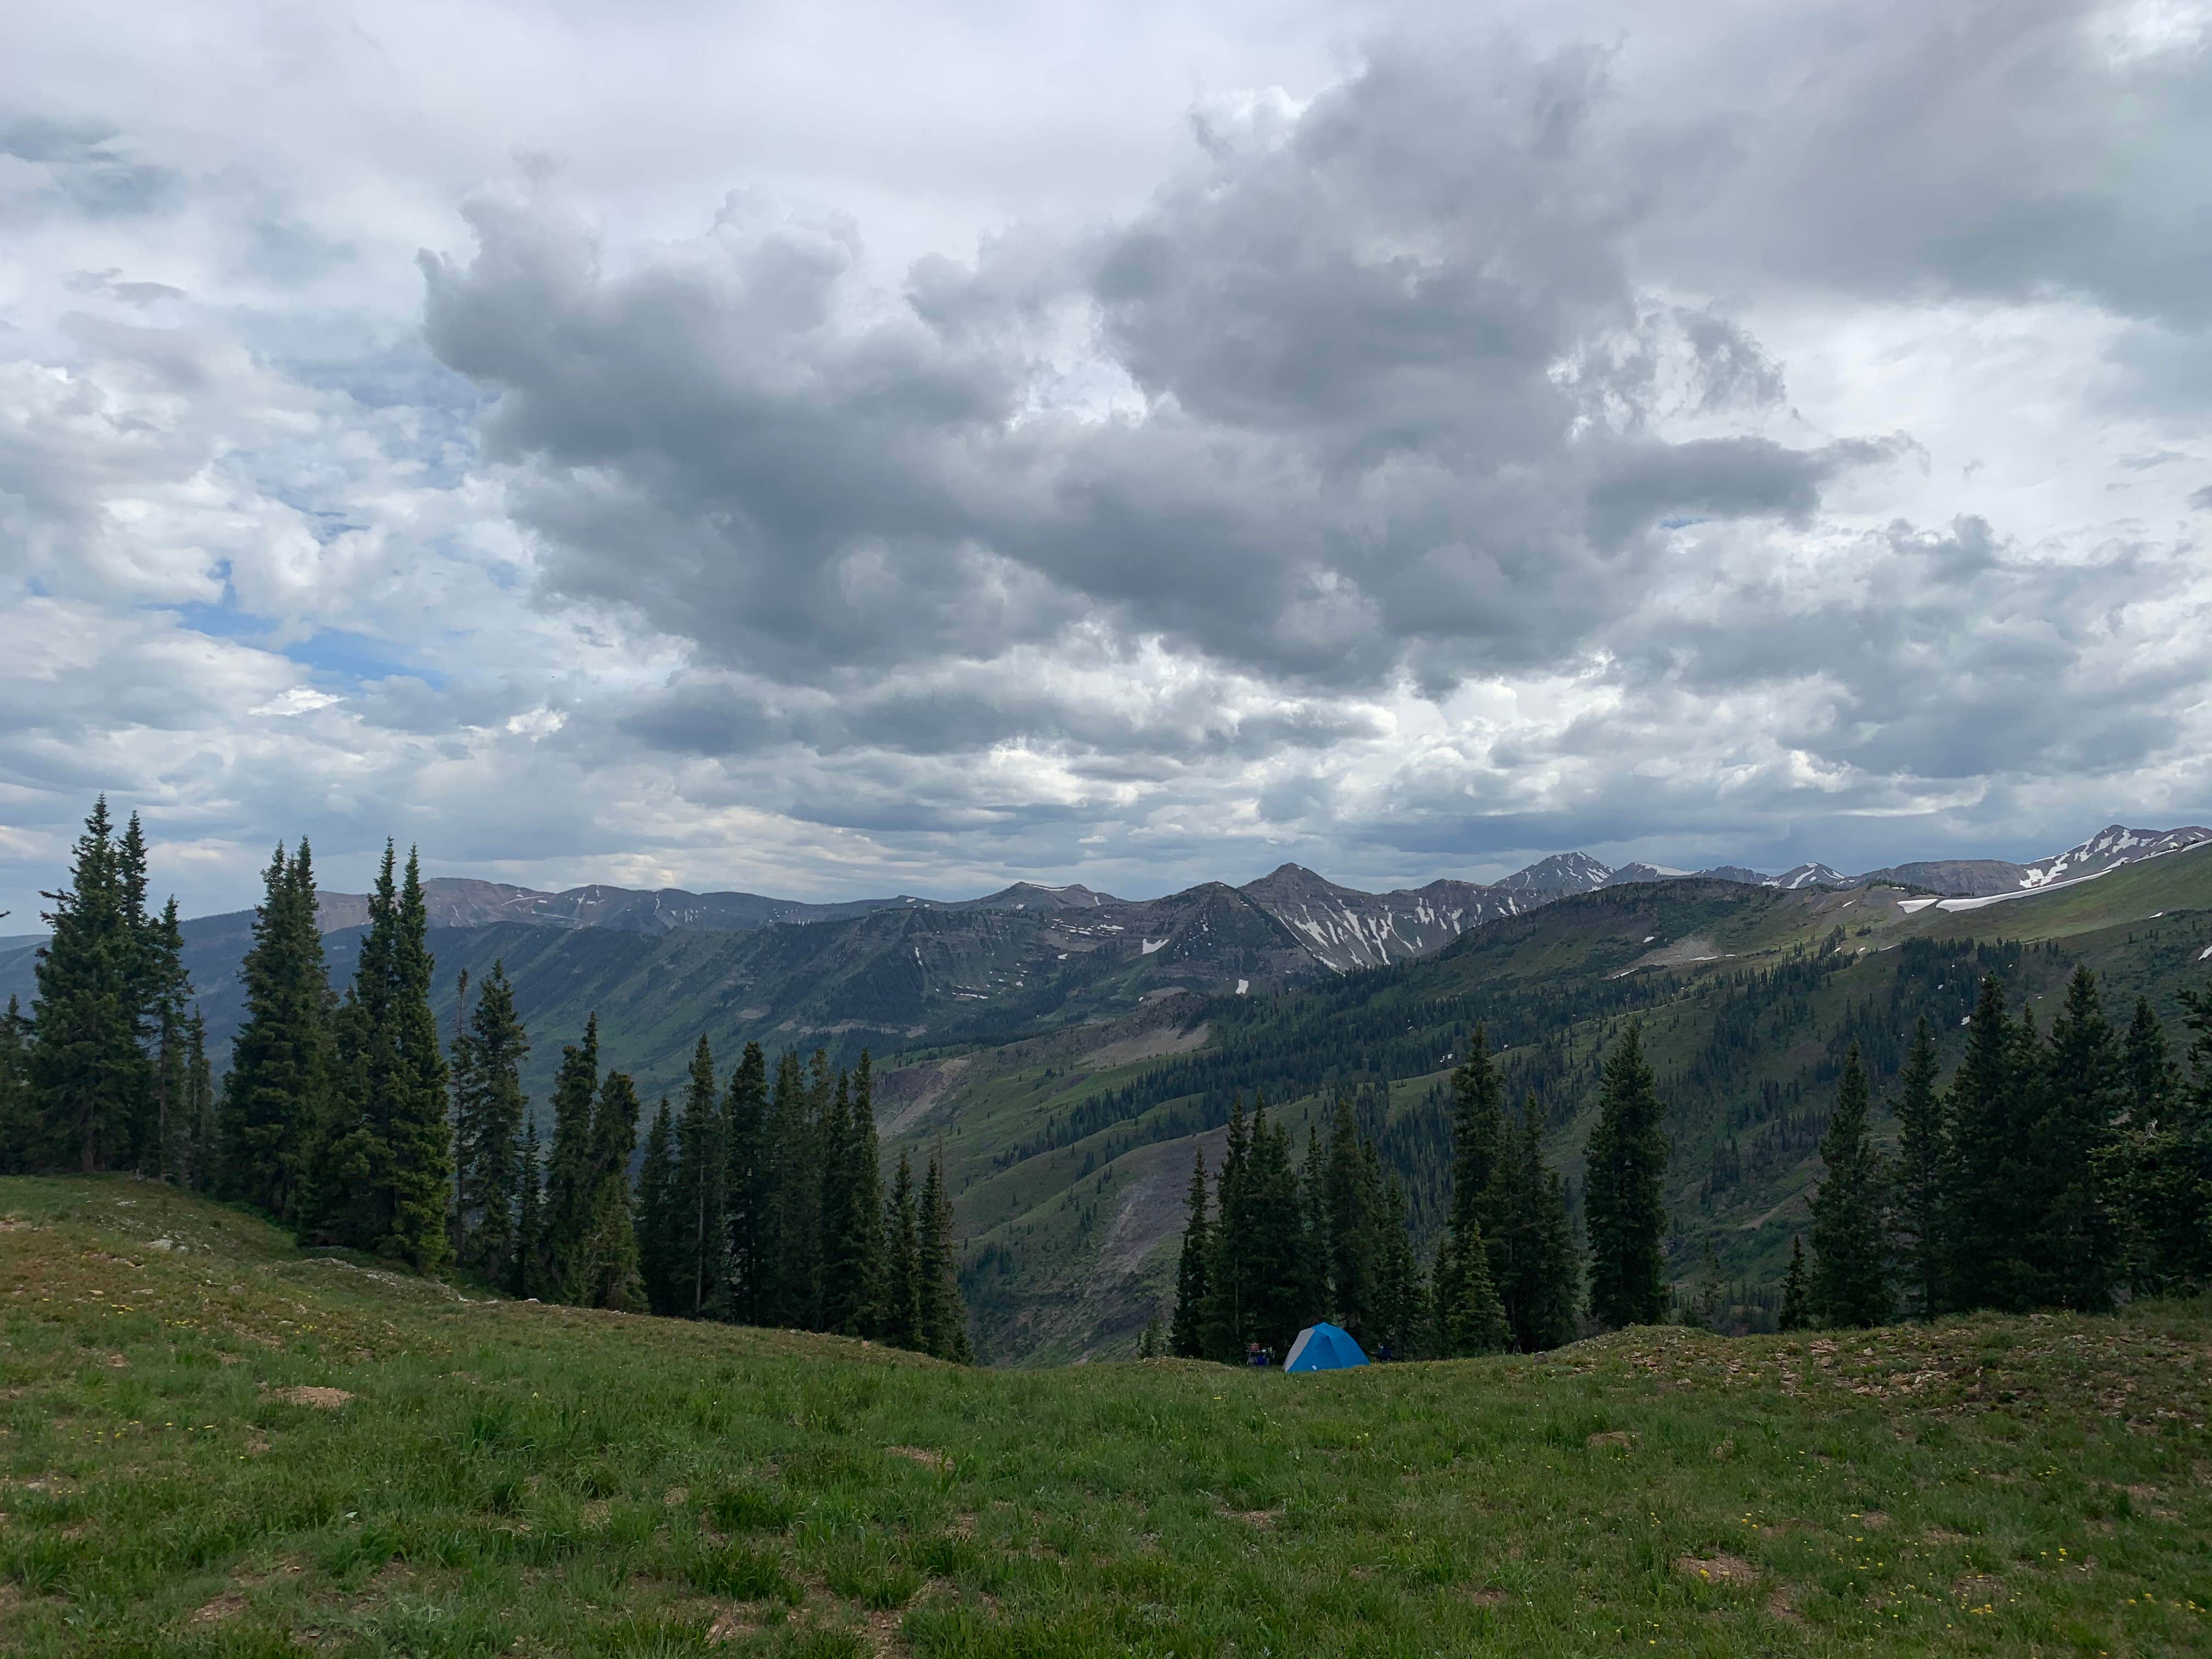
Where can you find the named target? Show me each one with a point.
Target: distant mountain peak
(1808, 875)
(1562, 872)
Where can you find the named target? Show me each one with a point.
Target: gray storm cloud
(1685, 436)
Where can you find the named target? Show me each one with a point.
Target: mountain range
(1070, 1050)
(898, 971)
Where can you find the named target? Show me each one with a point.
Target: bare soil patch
(327, 1399)
(932, 1459)
(1716, 1569)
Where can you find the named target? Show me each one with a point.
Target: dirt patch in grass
(228, 1605)
(1716, 1569)
(327, 1399)
(1620, 1437)
(1255, 1517)
(1874, 1520)
(927, 1459)
(881, 1634)
(1783, 1605)
(1978, 1590)
(734, 1624)
(1488, 1596)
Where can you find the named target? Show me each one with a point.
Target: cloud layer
(1733, 435)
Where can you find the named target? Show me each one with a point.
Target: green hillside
(1071, 1155)
(211, 1444)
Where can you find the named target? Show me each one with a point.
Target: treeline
(2062, 1168)
(348, 1120)
(1275, 1245)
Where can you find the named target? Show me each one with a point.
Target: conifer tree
(569, 1182)
(88, 1073)
(1398, 1282)
(489, 1106)
(901, 1319)
(1352, 1200)
(2075, 1247)
(798, 1111)
(1187, 1332)
(944, 1315)
(16, 1123)
(851, 1207)
(277, 1101)
(204, 1157)
(529, 1276)
(606, 1272)
(1540, 1282)
(663, 1257)
(1987, 1216)
(2170, 1151)
(1470, 1319)
(410, 1113)
(1797, 1291)
(1259, 1282)
(1850, 1267)
(1626, 1215)
(1227, 1319)
(701, 1169)
(170, 988)
(745, 1187)
(1923, 1155)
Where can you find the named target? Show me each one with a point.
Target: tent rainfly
(1323, 1348)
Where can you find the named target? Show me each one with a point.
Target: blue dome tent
(1323, 1348)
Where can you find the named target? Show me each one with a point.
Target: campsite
(213, 1444)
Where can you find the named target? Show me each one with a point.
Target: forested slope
(1071, 1167)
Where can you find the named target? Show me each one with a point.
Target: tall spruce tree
(2075, 1248)
(568, 1179)
(170, 988)
(701, 1173)
(663, 1258)
(1187, 1332)
(408, 1111)
(489, 1107)
(88, 1072)
(851, 1207)
(792, 1222)
(943, 1315)
(1398, 1299)
(1540, 1282)
(604, 1274)
(1851, 1265)
(900, 1318)
(204, 1155)
(1923, 1155)
(1987, 1209)
(1227, 1318)
(1626, 1214)
(530, 1275)
(16, 1123)
(2167, 1167)
(277, 1101)
(745, 1191)
(1351, 1201)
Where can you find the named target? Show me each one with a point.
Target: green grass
(515, 1478)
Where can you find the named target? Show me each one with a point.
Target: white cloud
(887, 448)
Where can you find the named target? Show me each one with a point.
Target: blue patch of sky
(358, 659)
(336, 656)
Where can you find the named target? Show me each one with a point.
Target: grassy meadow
(212, 1444)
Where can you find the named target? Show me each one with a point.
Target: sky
(841, 449)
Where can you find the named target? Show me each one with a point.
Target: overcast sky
(839, 449)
